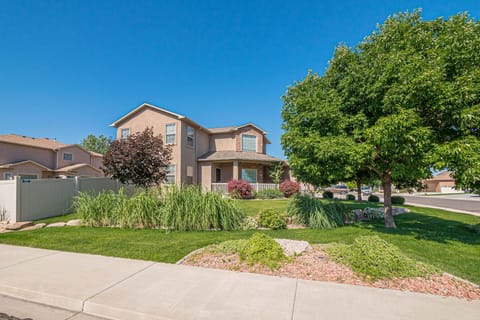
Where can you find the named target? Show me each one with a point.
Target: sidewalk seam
(29, 260)
(294, 299)
(116, 283)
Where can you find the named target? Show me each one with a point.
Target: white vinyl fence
(42, 198)
(223, 187)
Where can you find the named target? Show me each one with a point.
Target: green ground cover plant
(262, 249)
(374, 258)
(269, 194)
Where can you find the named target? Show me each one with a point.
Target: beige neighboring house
(441, 182)
(207, 156)
(36, 158)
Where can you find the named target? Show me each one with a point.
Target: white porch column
(235, 170)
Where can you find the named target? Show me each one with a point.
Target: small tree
(276, 172)
(96, 144)
(140, 159)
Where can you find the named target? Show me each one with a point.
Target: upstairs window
(249, 143)
(170, 133)
(190, 136)
(171, 171)
(124, 133)
(67, 156)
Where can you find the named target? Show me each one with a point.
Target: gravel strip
(316, 265)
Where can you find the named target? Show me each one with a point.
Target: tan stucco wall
(97, 162)
(205, 175)
(157, 120)
(88, 172)
(249, 130)
(222, 142)
(10, 153)
(79, 156)
(188, 157)
(203, 142)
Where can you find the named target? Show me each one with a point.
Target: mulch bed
(316, 265)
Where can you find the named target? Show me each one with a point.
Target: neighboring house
(441, 182)
(35, 158)
(206, 156)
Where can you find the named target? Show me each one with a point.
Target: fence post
(77, 186)
(18, 199)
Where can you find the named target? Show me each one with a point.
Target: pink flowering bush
(240, 188)
(289, 188)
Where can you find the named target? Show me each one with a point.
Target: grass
(440, 238)
(62, 218)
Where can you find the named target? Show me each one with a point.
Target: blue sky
(70, 68)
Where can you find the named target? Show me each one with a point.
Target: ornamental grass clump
(188, 208)
(317, 215)
(262, 249)
(374, 258)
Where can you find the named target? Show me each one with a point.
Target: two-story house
(206, 156)
(36, 158)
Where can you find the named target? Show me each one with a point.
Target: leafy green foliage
(249, 223)
(228, 247)
(317, 215)
(373, 198)
(262, 249)
(403, 100)
(373, 213)
(374, 258)
(269, 194)
(398, 200)
(289, 188)
(327, 194)
(98, 144)
(140, 159)
(270, 218)
(276, 172)
(350, 197)
(185, 208)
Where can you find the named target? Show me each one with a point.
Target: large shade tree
(403, 101)
(94, 143)
(141, 159)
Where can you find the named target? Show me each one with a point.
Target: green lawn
(437, 237)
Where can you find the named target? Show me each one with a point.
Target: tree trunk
(359, 190)
(387, 201)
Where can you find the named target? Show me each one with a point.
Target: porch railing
(222, 187)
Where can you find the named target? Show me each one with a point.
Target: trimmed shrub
(327, 194)
(373, 198)
(374, 258)
(262, 249)
(398, 200)
(317, 215)
(269, 194)
(270, 218)
(240, 188)
(289, 188)
(350, 197)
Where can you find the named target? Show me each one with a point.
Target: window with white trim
(249, 175)
(171, 170)
(249, 143)
(67, 156)
(170, 133)
(8, 176)
(190, 136)
(124, 133)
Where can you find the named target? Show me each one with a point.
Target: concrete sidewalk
(117, 288)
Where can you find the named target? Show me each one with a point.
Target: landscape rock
(293, 247)
(19, 225)
(74, 223)
(37, 226)
(56, 224)
(396, 211)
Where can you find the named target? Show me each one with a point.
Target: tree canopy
(403, 101)
(96, 144)
(141, 159)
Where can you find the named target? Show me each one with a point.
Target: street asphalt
(454, 202)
